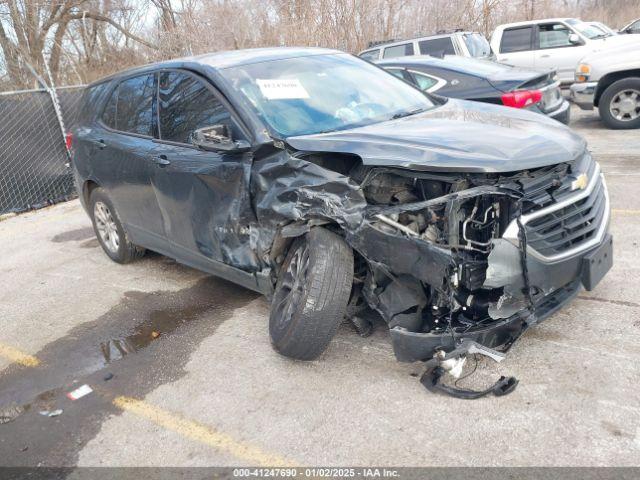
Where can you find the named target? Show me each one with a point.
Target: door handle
(161, 160)
(545, 56)
(100, 144)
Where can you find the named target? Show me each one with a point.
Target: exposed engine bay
(451, 259)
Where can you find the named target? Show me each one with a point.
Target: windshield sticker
(282, 89)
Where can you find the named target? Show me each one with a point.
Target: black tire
(124, 251)
(311, 294)
(609, 95)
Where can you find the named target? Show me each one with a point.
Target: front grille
(560, 219)
(568, 227)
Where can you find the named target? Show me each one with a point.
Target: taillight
(521, 98)
(68, 140)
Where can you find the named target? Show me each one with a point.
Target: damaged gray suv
(339, 191)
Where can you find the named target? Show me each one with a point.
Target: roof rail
(376, 43)
(451, 30)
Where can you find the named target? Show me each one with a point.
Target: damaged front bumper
(580, 271)
(500, 335)
(536, 273)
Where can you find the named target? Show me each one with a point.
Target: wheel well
(611, 78)
(87, 188)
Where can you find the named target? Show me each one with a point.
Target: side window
(186, 105)
(370, 55)
(134, 109)
(425, 82)
(437, 47)
(635, 27)
(398, 51)
(554, 35)
(516, 40)
(109, 112)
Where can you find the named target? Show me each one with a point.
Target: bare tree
(86, 39)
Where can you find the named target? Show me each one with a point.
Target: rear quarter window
(91, 101)
(370, 55)
(516, 40)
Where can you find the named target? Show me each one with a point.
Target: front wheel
(619, 104)
(311, 295)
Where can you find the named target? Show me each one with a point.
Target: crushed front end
(449, 257)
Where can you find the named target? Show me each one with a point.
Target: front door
(555, 51)
(203, 195)
(123, 161)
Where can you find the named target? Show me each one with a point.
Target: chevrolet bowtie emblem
(581, 182)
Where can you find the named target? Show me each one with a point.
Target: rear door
(122, 158)
(555, 51)
(203, 195)
(516, 46)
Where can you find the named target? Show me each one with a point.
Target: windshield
(587, 30)
(604, 28)
(323, 93)
(477, 45)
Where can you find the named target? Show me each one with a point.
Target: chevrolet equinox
(340, 191)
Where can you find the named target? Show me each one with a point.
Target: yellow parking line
(200, 433)
(16, 356)
(625, 212)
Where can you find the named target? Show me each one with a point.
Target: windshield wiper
(407, 114)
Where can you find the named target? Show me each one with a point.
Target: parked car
(633, 27)
(610, 81)
(555, 43)
(483, 81)
(458, 42)
(336, 189)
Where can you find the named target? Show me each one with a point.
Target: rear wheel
(109, 230)
(311, 295)
(619, 104)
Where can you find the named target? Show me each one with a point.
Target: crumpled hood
(457, 136)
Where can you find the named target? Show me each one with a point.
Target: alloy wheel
(106, 226)
(625, 105)
(292, 286)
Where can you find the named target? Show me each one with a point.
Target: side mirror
(574, 39)
(217, 138)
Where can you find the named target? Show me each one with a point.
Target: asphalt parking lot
(183, 374)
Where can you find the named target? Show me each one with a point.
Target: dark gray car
(339, 191)
(483, 81)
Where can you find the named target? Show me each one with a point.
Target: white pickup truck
(554, 43)
(610, 81)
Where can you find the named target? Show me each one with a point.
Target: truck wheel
(109, 231)
(619, 104)
(311, 294)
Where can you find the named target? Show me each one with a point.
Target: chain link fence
(34, 164)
